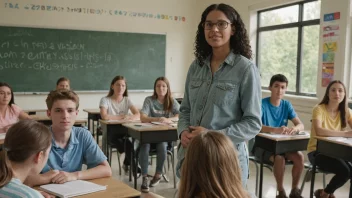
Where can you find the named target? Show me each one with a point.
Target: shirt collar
(229, 60)
(73, 139)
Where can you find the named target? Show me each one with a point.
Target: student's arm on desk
(100, 171)
(23, 116)
(320, 131)
(298, 124)
(105, 116)
(40, 179)
(135, 113)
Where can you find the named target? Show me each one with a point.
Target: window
(288, 43)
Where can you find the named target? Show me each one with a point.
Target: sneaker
(155, 181)
(144, 186)
(295, 193)
(281, 194)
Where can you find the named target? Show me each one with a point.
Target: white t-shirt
(115, 108)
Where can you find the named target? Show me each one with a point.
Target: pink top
(11, 116)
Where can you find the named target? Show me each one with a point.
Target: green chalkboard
(32, 59)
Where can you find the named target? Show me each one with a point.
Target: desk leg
(104, 145)
(135, 165)
(89, 123)
(93, 127)
(132, 159)
(173, 163)
(312, 180)
(261, 176)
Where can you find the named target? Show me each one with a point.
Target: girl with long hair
(160, 107)
(10, 113)
(330, 119)
(211, 169)
(25, 151)
(222, 90)
(115, 106)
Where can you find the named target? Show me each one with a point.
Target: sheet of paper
(73, 188)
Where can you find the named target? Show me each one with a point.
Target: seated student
(275, 115)
(9, 112)
(115, 106)
(63, 83)
(25, 150)
(160, 107)
(330, 118)
(208, 153)
(71, 146)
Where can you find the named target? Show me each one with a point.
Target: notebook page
(73, 188)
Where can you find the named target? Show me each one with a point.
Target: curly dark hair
(239, 42)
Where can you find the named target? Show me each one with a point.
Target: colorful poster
(332, 16)
(328, 57)
(327, 76)
(331, 33)
(330, 47)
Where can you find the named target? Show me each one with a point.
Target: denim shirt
(228, 102)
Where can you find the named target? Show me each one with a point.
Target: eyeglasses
(221, 25)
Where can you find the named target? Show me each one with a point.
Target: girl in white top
(25, 150)
(115, 106)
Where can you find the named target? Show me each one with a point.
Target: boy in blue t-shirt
(275, 115)
(71, 146)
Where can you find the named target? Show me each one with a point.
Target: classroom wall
(180, 35)
(303, 105)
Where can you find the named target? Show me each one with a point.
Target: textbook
(72, 188)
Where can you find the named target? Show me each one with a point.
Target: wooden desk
(278, 145)
(111, 126)
(150, 134)
(332, 147)
(94, 115)
(47, 121)
(34, 111)
(115, 188)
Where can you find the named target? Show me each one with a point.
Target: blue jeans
(160, 158)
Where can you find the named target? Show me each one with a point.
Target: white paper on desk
(275, 135)
(341, 139)
(144, 125)
(72, 188)
(160, 123)
(122, 121)
(2, 135)
(165, 124)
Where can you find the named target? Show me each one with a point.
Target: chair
(111, 145)
(153, 153)
(308, 175)
(256, 162)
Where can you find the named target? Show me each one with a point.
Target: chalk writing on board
(110, 12)
(59, 53)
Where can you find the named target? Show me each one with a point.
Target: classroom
(178, 21)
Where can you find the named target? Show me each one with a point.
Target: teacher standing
(222, 90)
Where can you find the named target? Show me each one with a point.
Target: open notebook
(72, 188)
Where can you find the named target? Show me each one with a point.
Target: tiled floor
(269, 187)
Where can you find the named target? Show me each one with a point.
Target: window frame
(300, 24)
